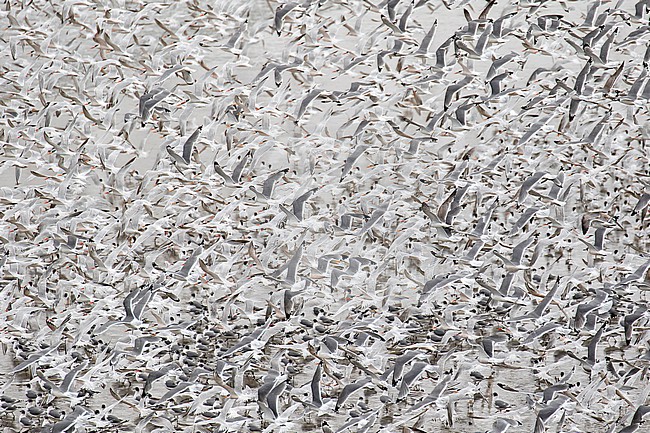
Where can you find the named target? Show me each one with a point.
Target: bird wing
(426, 41)
(269, 183)
(315, 387)
(350, 160)
(518, 250)
(539, 310)
(188, 147)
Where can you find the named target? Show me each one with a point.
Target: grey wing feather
(239, 168)
(172, 392)
(350, 160)
(533, 129)
(269, 183)
(299, 203)
(540, 331)
(455, 88)
(292, 266)
(222, 173)
(539, 310)
(348, 390)
(403, 21)
(306, 101)
(518, 250)
(128, 304)
(69, 378)
(642, 203)
(190, 262)
(528, 184)
(315, 387)
(176, 157)
(378, 213)
(280, 13)
(593, 345)
(272, 398)
(142, 301)
(189, 144)
(600, 238)
(523, 220)
(426, 41)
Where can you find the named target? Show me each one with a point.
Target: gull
(184, 272)
(642, 204)
(313, 94)
(553, 391)
(483, 40)
(593, 344)
(236, 172)
(606, 47)
(470, 257)
(149, 100)
(409, 378)
(34, 357)
(434, 396)
(540, 332)
(134, 306)
(638, 85)
(638, 275)
(345, 220)
(581, 80)
(436, 283)
(544, 414)
(487, 343)
(69, 421)
(291, 266)
(441, 53)
(495, 83)
(316, 400)
(298, 205)
(269, 184)
(530, 183)
(188, 146)
(532, 130)
(324, 261)
(280, 13)
(349, 389)
(453, 89)
(538, 312)
(611, 81)
(354, 265)
(367, 419)
(403, 21)
(628, 323)
(498, 63)
(483, 224)
(191, 382)
(640, 413)
(400, 362)
(498, 31)
(423, 49)
(599, 240)
(248, 340)
(158, 374)
(524, 219)
(274, 395)
(514, 264)
(585, 309)
(64, 390)
(350, 160)
(501, 425)
(374, 217)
